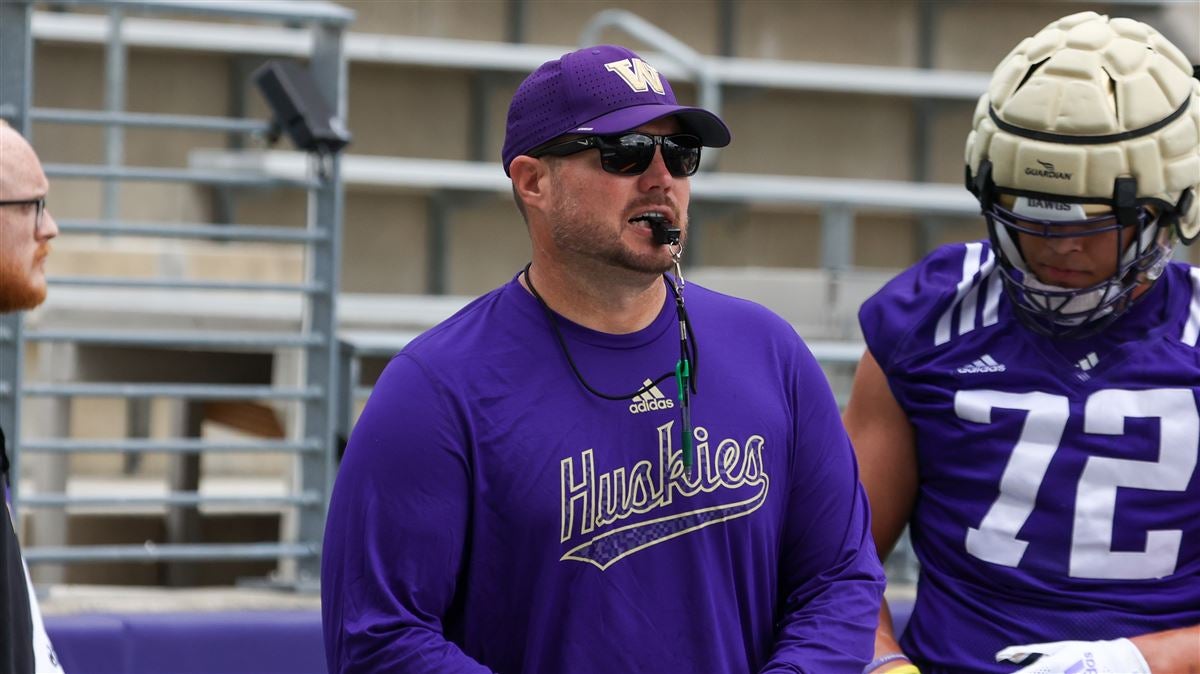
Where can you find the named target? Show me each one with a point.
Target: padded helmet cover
(1089, 99)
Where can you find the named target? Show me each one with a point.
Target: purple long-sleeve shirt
(491, 515)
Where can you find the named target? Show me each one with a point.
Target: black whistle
(663, 235)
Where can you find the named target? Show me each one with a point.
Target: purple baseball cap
(597, 90)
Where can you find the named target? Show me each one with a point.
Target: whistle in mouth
(663, 234)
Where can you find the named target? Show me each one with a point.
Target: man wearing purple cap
(553, 480)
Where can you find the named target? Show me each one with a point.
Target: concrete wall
(880, 32)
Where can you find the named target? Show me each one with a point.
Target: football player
(1030, 404)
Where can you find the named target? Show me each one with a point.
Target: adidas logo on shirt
(982, 364)
(1088, 362)
(650, 400)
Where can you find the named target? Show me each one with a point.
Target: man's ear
(529, 181)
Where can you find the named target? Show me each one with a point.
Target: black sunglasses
(630, 154)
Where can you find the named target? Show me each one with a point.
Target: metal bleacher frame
(313, 346)
(838, 199)
(307, 30)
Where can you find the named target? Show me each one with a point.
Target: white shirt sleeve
(45, 660)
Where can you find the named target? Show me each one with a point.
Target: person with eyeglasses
(599, 467)
(1029, 405)
(26, 228)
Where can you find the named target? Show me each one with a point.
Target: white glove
(1118, 656)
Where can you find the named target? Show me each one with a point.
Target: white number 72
(1092, 556)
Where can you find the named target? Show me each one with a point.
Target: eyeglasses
(630, 154)
(41, 208)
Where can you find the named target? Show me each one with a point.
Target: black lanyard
(685, 368)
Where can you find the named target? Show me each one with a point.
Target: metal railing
(445, 181)
(839, 199)
(712, 75)
(312, 347)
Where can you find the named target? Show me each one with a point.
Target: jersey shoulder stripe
(1191, 329)
(954, 291)
(978, 269)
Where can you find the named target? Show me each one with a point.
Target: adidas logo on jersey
(982, 364)
(1088, 362)
(650, 400)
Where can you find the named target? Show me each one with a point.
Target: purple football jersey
(492, 515)
(1059, 496)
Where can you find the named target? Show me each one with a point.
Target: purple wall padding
(258, 642)
(250, 642)
(90, 644)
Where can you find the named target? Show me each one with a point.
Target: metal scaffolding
(311, 351)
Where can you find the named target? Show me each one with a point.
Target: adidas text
(982, 365)
(650, 399)
(651, 405)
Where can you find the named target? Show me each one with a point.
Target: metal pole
(437, 225)
(224, 199)
(517, 20)
(924, 109)
(321, 368)
(183, 475)
(727, 14)
(837, 237)
(114, 102)
(58, 362)
(348, 376)
(477, 134)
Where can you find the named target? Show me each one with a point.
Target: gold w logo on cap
(638, 74)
